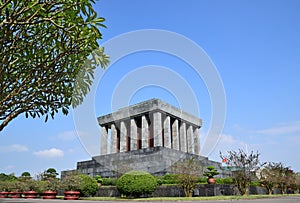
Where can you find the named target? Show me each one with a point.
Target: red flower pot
(71, 195)
(30, 194)
(15, 194)
(4, 194)
(211, 181)
(49, 194)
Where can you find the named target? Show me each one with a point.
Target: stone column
(167, 132)
(104, 140)
(123, 137)
(182, 132)
(196, 141)
(190, 139)
(113, 139)
(145, 132)
(157, 129)
(133, 134)
(175, 135)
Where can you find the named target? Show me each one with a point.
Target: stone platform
(155, 160)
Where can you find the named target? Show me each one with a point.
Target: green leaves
(136, 183)
(49, 52)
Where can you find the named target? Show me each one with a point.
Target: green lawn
(186, 198)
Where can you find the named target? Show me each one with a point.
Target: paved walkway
(289, 199)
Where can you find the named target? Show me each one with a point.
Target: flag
(224, 160)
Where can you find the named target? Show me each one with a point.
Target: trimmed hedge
(167, 179)
(170, 179)
(225, 180)
(109, 181)
(202, 180)
(136, 183)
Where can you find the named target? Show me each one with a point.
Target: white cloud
(67, 135)
(9, 167)
(227, 143)
(72, 135)
(14, 148)
(282, 129)
(82, 134)
(49, 153)
(71, 150)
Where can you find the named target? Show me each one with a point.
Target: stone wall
(200, 190)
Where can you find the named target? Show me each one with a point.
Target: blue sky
(254, 46)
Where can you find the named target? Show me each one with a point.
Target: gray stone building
(149, 136)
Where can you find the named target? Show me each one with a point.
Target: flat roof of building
(146, 107)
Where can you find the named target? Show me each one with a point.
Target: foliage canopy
(50, 173)
(210, 172)
(49, 51)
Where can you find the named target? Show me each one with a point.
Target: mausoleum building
(153, 123)
(149, 136)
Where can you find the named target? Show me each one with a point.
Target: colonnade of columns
(149, 130)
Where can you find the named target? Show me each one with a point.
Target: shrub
(159, 180)
(30, 184)
(169, 179)
(71, 182)
(4, 186)
(89, 186)
(86, 185)
(202, 180)
(52, 184)
(136, 183)
(98, 179)
(10, 177)
(224, 180)
(109, 181)
(16, 185)
(256, 183)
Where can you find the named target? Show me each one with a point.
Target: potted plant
(16, 189)
(71, 186)
(99, 180)
(30, 188)
(210, 173)
(4, 189)
(50, 188)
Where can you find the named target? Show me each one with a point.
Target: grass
(186, 198)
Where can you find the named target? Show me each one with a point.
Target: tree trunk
(269, 188)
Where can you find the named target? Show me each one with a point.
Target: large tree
(244, 167)
(49, 51)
